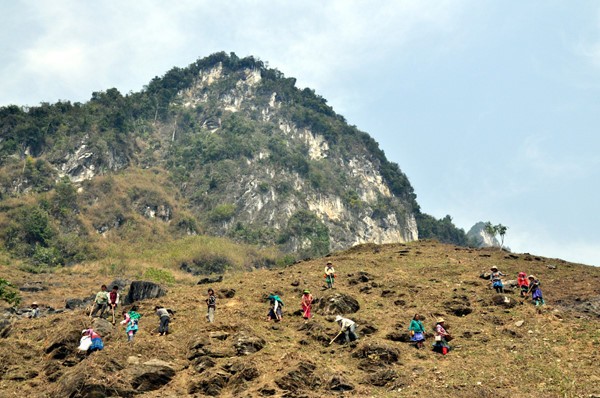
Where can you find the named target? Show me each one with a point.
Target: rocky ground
(503, 346)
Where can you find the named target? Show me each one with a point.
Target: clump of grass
(158, 275)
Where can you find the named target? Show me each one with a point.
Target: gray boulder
(152, 375)
(336, 304)
(143, 290)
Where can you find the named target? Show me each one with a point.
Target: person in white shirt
(348, 327)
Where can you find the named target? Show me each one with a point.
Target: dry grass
(554, 354)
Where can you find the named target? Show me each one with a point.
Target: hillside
(225, 146)
(553, 353)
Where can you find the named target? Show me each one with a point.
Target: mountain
(480, 237)
(224, 147)
(503, 345)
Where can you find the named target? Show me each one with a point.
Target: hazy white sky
(490, 107)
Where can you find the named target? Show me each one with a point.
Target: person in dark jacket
(211, 303)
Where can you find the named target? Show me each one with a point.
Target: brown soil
(554, 353)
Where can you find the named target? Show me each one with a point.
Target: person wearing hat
(441, 337)
(275, 308)
(536, 292)
(329, 274)
(348, 327)
(35, 311)
(496, 280)
(306, 303)
(96, 340)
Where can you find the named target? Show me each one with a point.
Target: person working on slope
(523, 284)
(90, 341)
(275, 310)
(496, 280)
(441, 337)
(536, 291)
(306, 303)
(100, 302)
(329, 275)
(348, 327)
(130, 320)
(165, 318)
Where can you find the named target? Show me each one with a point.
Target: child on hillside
(523, 284)
(536, 291)
(211, 303)
(130, 320)
(329, 275)
(306, 304)
(417, 331)
(113, 301)
(100, 302)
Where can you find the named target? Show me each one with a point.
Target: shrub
(8, 293)
(222, 212)
(159, 275)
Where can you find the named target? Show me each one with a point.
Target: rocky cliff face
(254, 192)
(250, 155)
(480, 237)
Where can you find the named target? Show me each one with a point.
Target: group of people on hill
(527, 285)
(104, 300)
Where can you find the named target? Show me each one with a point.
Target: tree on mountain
(494, 230)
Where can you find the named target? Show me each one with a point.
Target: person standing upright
(211, 303)
(113, 301)
(100, 302)
(329, 275)
(417, 331)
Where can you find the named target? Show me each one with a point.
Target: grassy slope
(554, 354)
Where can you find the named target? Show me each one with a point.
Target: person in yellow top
(329, 274)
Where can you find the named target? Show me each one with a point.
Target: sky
(491, 108)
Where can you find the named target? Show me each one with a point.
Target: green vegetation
(312, 234)
(166, 168)
(494, 230)
(442, 230)
(158, 275)
(8, 292)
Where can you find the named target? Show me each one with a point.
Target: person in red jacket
(523, 283)
(306, 303)
(113, 301)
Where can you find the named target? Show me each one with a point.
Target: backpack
(134, 316)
